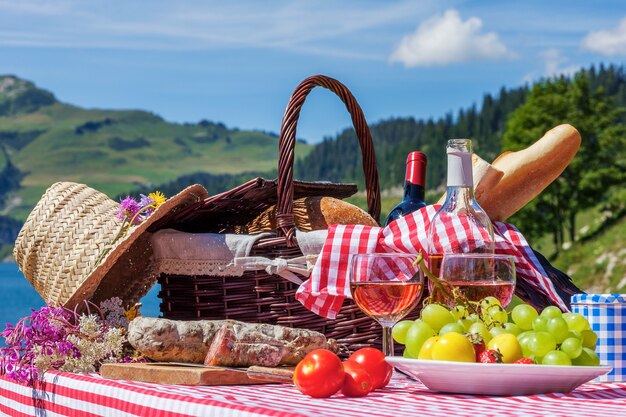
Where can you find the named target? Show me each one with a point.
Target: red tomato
(320, 374)
(357, 382)
(374, 363)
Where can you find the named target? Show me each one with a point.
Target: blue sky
(238, 62)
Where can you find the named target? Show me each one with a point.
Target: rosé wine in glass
(476, 276)
(386, 286)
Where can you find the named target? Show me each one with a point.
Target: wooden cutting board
(166, 373)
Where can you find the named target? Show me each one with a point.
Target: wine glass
(478, 275)
(386, 287)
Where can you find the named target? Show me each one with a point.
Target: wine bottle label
(459, 169)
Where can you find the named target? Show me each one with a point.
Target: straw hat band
(63, 237)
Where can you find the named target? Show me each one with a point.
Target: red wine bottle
(414, 182)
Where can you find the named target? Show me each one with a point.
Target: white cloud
(446, 39)
(554, 65)
(611, 42)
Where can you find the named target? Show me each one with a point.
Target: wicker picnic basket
(259, 296)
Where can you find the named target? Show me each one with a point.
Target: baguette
(529, 171)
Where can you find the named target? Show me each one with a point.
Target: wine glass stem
(387, 341)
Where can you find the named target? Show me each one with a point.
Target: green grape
(495, 331)
(576, 322)
(512, 328)
(459, 312)
(417, 334)
(541, 343)
(587, 358)
(575, 334)
(540, 324)
(494, 316)
(465, 324)
(487, 302)
(473, 318)
(523, 315)
(482, 330)
(558, 327)
(399, 330)
(556, 357)
(523, 339)
(572, 347)
(524, 335)
(452, 327)
(407, 354)
(515, 301)
(551, 312)
(590, 338)
(436, 316)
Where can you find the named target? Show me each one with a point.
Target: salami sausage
(231, 342)
(166, 340)
(244, 344)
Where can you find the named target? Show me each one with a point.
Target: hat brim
(124, 271)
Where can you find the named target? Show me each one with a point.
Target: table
(91, 395)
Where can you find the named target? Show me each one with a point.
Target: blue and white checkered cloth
(607, 315)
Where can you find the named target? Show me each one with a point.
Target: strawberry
(478, 343)
(490, 356)
(525, 361)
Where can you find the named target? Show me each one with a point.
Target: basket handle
(285, 222)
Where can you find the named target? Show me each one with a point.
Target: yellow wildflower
(133, 312)
(158, 198)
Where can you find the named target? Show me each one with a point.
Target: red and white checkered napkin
(328, 286)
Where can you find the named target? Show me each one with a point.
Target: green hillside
(598, 263)
(113, 151)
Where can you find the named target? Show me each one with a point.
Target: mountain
(45, 140)
(21, 96)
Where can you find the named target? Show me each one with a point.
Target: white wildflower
(89, 326)
(114, 341)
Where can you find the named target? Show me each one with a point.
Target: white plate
(497, 378)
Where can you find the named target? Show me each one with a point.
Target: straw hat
(71, 228)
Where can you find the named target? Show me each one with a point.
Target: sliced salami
(243, 344)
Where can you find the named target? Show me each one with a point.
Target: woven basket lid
(66, 234)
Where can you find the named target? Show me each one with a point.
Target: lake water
(18, 297)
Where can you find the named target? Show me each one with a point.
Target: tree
(599, 164)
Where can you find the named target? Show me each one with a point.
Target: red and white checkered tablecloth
(328, 286)
(66, 394)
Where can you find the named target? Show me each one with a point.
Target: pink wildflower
(129, 207)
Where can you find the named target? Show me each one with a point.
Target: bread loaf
(312, 213)
(528, 172)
